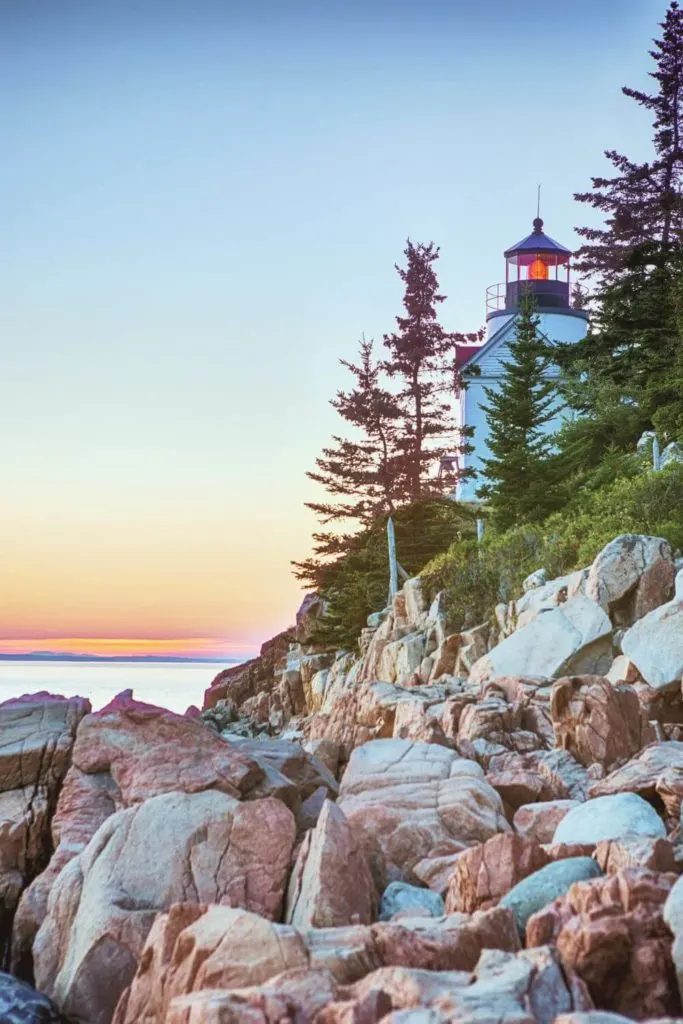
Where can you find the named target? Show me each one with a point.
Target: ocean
(170, 684)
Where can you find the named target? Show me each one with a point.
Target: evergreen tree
(520, 481)
(358, 472)
(397, 436)
(622, 378)
(643, 202)
(420, 362)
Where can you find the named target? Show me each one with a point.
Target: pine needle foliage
(519, 476)
(643, 202)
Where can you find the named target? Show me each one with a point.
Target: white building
(538, 265)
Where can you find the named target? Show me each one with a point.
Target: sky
(201, 206)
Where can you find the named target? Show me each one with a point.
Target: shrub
(477, 577)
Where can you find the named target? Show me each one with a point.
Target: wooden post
(393, 564)
(656, 461)
(480, 530)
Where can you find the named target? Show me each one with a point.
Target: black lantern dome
(538, 265)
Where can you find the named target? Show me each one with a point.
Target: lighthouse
(540, 266)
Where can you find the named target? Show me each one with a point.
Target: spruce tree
(420, 362)
(520, 481)
(624, 377)
(643, 202)
(358, 472)
(398, 435)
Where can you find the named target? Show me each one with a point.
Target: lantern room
(538, 265)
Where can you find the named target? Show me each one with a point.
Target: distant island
(56, 656)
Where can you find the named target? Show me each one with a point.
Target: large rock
(570, 639)
(538, 821)
(131, 741)
(405, 900)
(290, 772)
(300, 995)
(655, 645)
(562, 777)
(539, 889)
(635, 851)
(360, 714)
(24, 831)
(402, 658)
(445, 656)
(406, 800)
(415, 721)
(195, 949)
(37, 736)
(121, 757)
(632, 575)
(310, 610)
(205, 847)
(85, 802)
(550, 594)
(527, 988)
(331, 884)
(651, 774)
(489, 870)
(251, 677)
(609, 817)
(24, 850)
(598, 722)
(496, 722)
(611, 932)
(21, 1004)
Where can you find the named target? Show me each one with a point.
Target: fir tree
(358, 472)
(420, 362)
(624, 377)
(643, 202)
(398, 436)
(520, 482)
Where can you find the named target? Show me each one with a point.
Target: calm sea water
(172, 685)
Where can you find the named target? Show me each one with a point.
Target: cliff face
(478, 826)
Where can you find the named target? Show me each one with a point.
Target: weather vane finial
(538, 202)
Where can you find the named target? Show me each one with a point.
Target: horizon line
(75, 656)
(187, 648)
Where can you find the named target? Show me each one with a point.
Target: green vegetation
(357, 584)
(475, 578)
(520, 475)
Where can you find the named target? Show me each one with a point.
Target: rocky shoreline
(472, 827)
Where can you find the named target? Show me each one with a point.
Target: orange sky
(187, 647)
(156, 569)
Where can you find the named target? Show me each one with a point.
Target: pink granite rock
(611, 932)
(331, 884)
(204, 847)
(193, 950)
(486, 872)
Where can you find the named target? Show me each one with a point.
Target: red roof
(463, 353)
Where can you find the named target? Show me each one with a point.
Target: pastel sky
(201, 205)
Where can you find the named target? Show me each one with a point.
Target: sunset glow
(181, 647)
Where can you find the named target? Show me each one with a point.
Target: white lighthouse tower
(537, 265)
